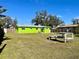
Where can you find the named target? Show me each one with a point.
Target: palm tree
(2, 10)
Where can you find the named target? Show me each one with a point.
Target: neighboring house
(5, 30)
(69, 28)
(33, 29)
(9, 29)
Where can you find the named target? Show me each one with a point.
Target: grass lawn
(36, 46)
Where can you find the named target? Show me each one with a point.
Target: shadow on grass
(1, 40)
(57, 40)
(1, 49)
(61, 41)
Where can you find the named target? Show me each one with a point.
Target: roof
(70, 25)
(31, 26)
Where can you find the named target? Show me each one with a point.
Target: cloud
(59, 16)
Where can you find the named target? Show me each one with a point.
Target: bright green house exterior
(33, 29)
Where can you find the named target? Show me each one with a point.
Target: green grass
(36, 46)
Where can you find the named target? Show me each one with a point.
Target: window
(47, 28)
(42, 29)
(36, 28)
(31, 28)
(23, 28)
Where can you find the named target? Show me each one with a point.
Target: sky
(24, 10)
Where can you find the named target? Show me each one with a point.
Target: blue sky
(24, 10)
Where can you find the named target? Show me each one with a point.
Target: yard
(36, 46)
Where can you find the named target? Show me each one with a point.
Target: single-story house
(33, 29)
(69, 28)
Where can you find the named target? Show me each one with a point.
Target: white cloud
(59, 16)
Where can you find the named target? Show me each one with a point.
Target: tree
(5, 21)
(75, 21)
(2, 10)
(14, 23)
(42, 18)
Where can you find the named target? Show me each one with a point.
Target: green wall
(46, 30)
(33, 30)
